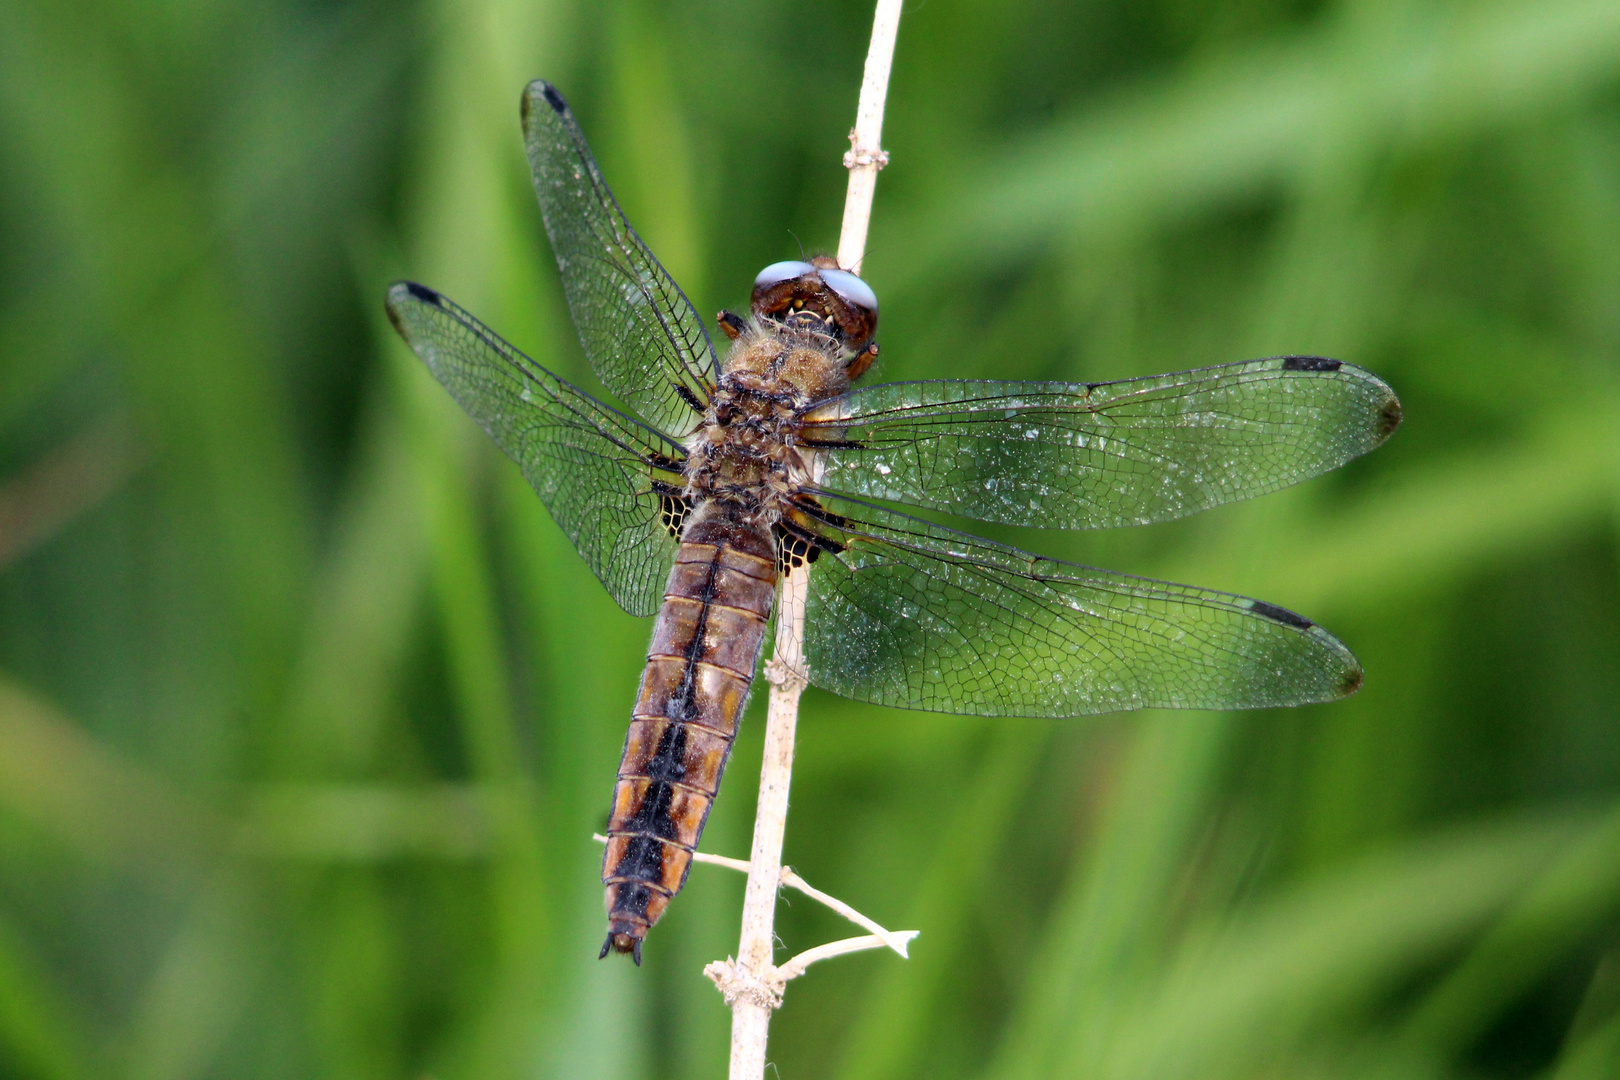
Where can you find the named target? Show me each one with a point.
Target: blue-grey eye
(782, 271)
(852, 289)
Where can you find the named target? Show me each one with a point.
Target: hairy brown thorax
(743, 453)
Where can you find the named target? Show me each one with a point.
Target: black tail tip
(620, 942)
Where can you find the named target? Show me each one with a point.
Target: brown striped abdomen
(701, 662)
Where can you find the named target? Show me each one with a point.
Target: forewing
(1073, 455)
(644, 339)
(915, 616)
(607, 479)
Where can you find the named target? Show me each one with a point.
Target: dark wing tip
(393, 317)
(1280, 615)
(542, 89)
(398, 291)
(1346, 680)
(1389, 417)
(1310, 363)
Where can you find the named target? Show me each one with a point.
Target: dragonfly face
(690, 502)
(819, 297)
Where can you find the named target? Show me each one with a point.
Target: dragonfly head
(818, 297)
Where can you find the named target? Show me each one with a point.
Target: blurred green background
(307, 711)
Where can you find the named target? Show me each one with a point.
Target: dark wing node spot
(814, 508)
(422, 293)
(1281, 615)
(833, 444)
(668, 464)
(1310, 363)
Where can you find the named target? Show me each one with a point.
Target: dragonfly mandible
(718, 475)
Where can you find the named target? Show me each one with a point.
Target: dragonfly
(719, 475)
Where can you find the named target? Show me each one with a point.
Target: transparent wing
(610, 482)
(644, 339)
(915, 616)
(1073, 455)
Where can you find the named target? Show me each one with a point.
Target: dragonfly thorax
(780, 361)
(744, 452)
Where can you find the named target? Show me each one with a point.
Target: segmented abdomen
(701, 662)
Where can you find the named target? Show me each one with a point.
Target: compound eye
(851, 289)
(782, 271)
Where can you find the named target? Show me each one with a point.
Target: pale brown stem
(866, 154)
(755, 989)
(752, 984)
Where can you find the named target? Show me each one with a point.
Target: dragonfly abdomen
(700, 665)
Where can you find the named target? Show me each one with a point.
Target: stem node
(737, 985)
(783, 677)
(861, 154)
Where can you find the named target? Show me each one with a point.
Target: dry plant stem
(866, 154)
(893, 939)
(755, 990)
(752, 984)
(795, 967)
